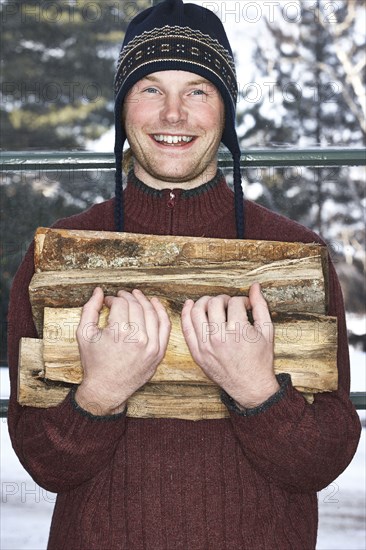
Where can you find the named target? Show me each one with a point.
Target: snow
(358, 370)
(356, 323)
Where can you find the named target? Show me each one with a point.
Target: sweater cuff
(88, 414)
(283, 379)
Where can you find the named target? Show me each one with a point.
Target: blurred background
(302, 84)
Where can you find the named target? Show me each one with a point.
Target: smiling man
(248, 481)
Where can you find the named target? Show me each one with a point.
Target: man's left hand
(234, 353)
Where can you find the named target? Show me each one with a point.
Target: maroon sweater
(246, 482)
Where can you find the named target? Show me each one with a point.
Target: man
(248, 481)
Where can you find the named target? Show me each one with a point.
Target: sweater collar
(177, 211)
(134, 181)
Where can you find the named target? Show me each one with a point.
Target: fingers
(144, 314)
(216, 311)
(202, 319)
(92, 308)
(198, 318)
(259, 305)
(90, 315)
(164, 323)
(149, 316)
(128, 307)
(216, 308)
(237, 311)
(188, 328)
(118, 310)
(220, 309)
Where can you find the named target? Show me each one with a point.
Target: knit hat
(177, 36)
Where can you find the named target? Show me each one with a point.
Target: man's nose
(173, 110)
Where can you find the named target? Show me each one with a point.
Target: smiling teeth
(173, 139)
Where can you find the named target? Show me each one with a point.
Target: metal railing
(83, 160)
(12, 161)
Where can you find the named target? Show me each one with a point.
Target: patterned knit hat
(177, 36)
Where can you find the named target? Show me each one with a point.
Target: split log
(64, 249)
(305, 346)
(288, 286)
(186, 402)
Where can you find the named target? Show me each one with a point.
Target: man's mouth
(172, 140)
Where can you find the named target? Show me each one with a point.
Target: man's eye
(151, 90)
(198, 92)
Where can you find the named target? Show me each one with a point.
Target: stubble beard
(191, 177)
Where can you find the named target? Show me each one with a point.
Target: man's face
(174, 122)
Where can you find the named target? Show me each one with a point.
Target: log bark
(305, 346)
(64, 249)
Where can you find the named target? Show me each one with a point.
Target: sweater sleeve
(60, 447)
(299, 446)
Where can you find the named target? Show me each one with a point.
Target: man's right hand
(121, 358)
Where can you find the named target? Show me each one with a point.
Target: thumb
(92, 308)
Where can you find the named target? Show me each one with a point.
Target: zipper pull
(171, 201)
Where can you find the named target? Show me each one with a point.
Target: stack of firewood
(70, 264)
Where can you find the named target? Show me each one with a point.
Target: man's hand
(121, 358)
(235, 354)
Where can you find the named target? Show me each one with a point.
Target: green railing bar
(357, 398)
(86, 160)
(4, 404)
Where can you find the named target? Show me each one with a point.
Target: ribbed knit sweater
(247, 482)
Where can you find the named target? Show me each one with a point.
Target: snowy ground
(342, 505)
